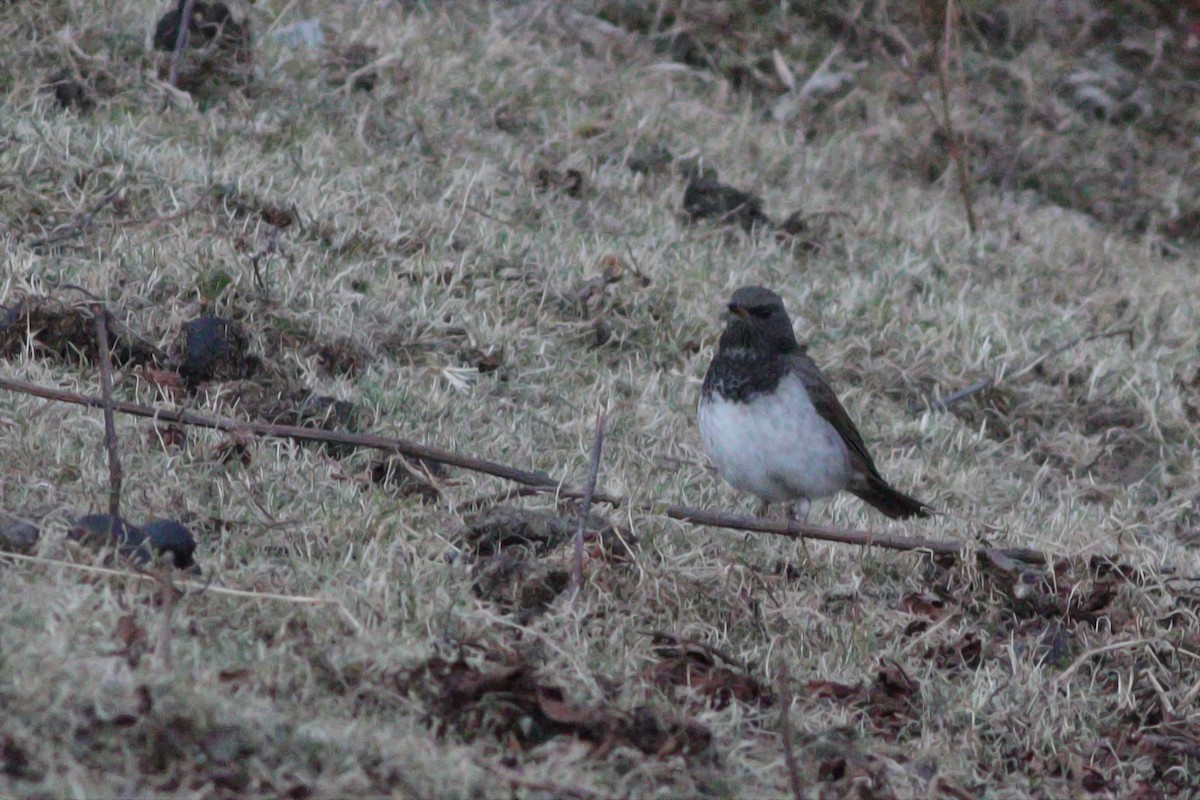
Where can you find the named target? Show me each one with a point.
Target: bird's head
(758, 321)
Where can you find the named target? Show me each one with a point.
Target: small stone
(215, 348)
(102, 530)
(157, 537)
(17, 535)
(707, 199)
(168, 536)
(69, 91)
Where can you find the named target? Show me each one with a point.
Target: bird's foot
(798, 511)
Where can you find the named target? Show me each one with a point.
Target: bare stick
(539, 481)
(957, 151)
(1127, 332)
(944, 403)
(401, 446)
(785, 733)
(663, 638)
(110, 427)
(168, 598)
(797, 530)
(1083, 658)
(268, 249)
(82, 223)
(958, 395)
(586, 505)
(203, 588)
(945, 122)
(181, 37)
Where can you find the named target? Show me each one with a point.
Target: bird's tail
(892, 503)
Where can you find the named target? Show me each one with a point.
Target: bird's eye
(762, 312)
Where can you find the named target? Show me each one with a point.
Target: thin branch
(81, 223)
(957, 151)
(181, 37)
(945, 122)
(957, 396)
(168, 599)
(269, 249)
(797, 530)
(585, 506)
(785, 733)
(1109, 334)
(201, 588)
(1083, 658)
(539, 481)
(941, 404)
(115, 474)
(152, 221)
(391, 444)
(664, 638)
(85, 221)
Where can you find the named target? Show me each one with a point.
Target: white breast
(775, 446)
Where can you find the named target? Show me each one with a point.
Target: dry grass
(411, 231)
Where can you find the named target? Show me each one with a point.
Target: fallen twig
(962, 394)
(585, 506)
(943, 403)
(797, 530)
(82, 223)
(958, 151)
(942, 17)
(200, 588)
(785, 733)
(662, 637)
(115, 474)
(366, 69)
(270, 248)
(401, 446)
(178, 215)
(1109, 334)
(537, 481)
(1083, 658)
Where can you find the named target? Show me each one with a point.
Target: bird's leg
(798, 512)
(761, 512)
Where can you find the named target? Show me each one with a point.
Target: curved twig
(297, 433)
(536, 480)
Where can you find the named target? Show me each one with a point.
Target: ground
(467, 223)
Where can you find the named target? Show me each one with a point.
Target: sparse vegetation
(464, 224)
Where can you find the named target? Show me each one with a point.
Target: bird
(773, 427)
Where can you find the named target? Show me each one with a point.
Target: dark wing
(829, 407)
(873, 489)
